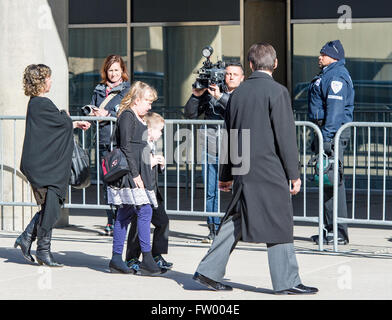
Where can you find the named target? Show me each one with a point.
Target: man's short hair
(235, 64)
(262, 56)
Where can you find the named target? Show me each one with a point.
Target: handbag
(328, 169)
(114, 163)
(80, 168)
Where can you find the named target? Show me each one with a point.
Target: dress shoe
(214, 285)
(300, 289)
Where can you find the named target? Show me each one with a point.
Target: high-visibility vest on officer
(331, 92)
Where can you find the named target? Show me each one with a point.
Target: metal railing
(184, 160)
(180, 163)
(372, 163)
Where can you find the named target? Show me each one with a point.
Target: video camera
(210, 73)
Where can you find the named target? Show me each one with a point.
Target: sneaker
(315, 239)
(162, 263)
(328, 240)
(134, 264)
(109, 230)
(341, 241)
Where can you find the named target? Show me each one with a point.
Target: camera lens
(86, 110)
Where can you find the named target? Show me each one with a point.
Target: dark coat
(261, 195)
(99, 95)
(47, 152)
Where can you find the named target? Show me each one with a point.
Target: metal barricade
(94, 149)
(184, 155)
(23, 198)
(180, 162)
(368, 156)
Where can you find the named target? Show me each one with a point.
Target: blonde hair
(34, 77)
(137, 90)
(153, 119)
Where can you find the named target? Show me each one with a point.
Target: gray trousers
(281, 257)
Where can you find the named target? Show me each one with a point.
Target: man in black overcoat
(260, 125)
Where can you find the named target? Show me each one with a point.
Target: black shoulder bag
(80, 168)
(114, 163)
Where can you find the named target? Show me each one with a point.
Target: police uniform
(331, 105)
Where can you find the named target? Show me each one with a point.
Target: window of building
(87, 50)
(168, 57)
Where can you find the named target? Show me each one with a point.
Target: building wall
(265, 21)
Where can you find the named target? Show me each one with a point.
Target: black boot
(211, 235)
(27, 237)
(148, 266)
(117, 265)
(43, 254)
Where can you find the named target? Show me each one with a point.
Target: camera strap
(103, 105)
(107, 99)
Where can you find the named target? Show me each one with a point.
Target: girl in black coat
(134, 192)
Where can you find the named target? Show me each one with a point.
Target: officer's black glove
(328, 147)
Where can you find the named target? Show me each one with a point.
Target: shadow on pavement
(187, 283)
(68, 258)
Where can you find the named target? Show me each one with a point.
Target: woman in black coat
(46, 161)
(107, 97)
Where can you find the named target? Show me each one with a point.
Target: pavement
(359, 271)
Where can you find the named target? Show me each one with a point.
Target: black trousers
(50, 208)
(328, 192)
(342, 203)
(160, 242)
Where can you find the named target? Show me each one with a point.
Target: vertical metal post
(335, 189)
(165, 173)
(218, 157)
(14, 179)
(192, 165)
(354, 172)
(83, 146)
(2, 160)
(205, 168)
(178, 167)
(384, 174)
(97, 162)
(321, 187)
(368, 184)
(304, 159)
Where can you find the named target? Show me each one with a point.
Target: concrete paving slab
(360, 271)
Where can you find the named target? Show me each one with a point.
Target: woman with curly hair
(46, 161)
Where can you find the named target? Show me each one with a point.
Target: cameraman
(212, 102)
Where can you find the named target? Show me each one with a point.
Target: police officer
(330, 105)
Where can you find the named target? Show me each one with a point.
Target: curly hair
(138, 90)
(34, 77)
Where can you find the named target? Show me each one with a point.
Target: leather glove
(328, 147)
